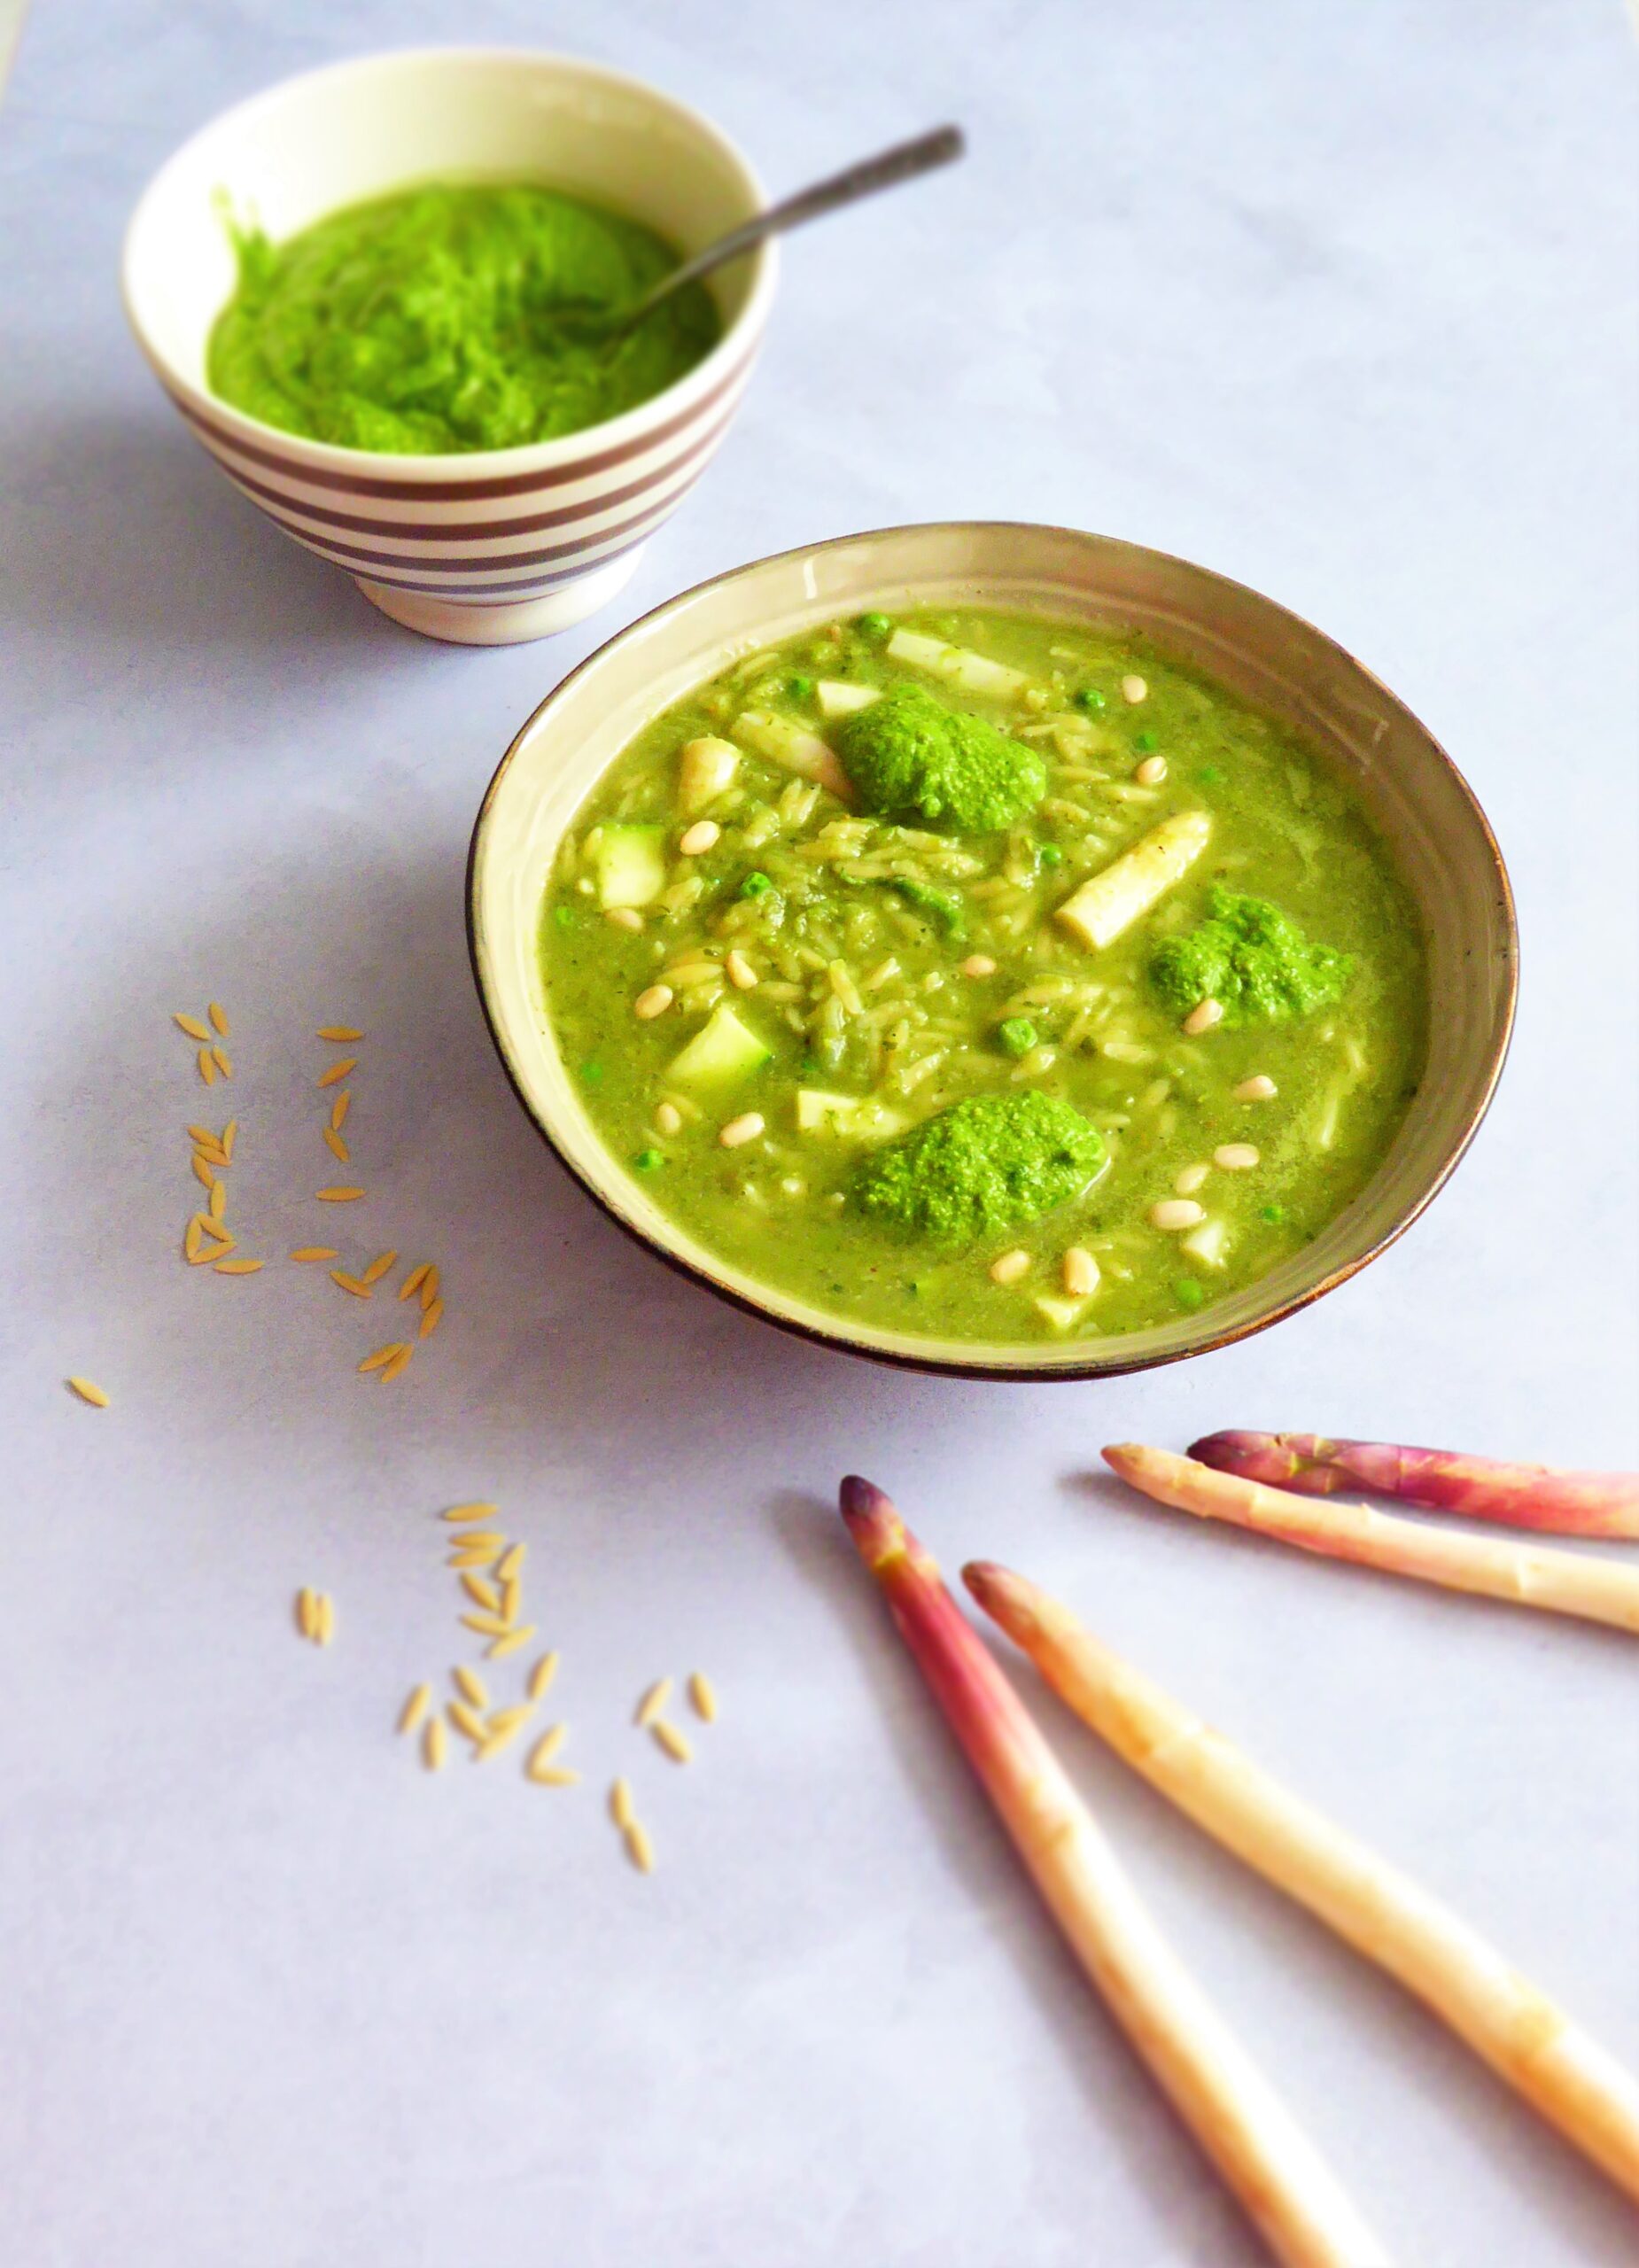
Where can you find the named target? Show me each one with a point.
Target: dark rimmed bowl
(1424, 808)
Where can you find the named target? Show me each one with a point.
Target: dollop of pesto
(1253, 960)
(910, 756)
(444, 320)
(988, 1164)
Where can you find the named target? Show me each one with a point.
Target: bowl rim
(328, 463)
(838, 1338)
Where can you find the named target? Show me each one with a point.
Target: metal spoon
(903, 162)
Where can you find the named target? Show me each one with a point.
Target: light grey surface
(1339, 302)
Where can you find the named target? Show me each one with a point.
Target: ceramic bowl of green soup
(373, 292)
(993, 949)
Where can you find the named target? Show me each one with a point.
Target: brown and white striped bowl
(503, 545)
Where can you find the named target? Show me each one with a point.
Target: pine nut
(1202, 1016)
(1080, 1271)
(698, 838)
(1152, 772)
(741, 972)
(669, 1118)
(655, 1002)
(1258, 1088)
(1133, 690)
(1010, 1267)
(978, 965)
(624, 917)
(1235, 1157)
(1190, 1180)
(742, 1129)
(1176, 1212)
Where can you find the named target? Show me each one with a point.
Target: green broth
(861, 933)
(447, 319)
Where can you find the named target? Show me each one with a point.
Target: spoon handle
(903, 162)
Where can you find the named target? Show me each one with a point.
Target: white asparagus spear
(1562, 2073)
(1524, 1574)
(1286, 2188)
(1113, 899)
(957, 666)
(794, 748)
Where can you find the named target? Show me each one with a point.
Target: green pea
(1188, 1293)
(756, 884)
(1090, 699)
(646, 1161)
(874, 625)
(1017, 1035)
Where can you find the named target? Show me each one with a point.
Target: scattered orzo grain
(675, 1742)
(703, 1693)
(653, 1702)
(513, 1642)
(315, 1252)
(471, 1686)
(415, 1708)
(338, 1196)
(547, 1746)
(337, 1072)
(89, 1391)
(218, 1015)
(192, 1025)
(541, 1676)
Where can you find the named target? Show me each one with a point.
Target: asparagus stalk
(1282, 2184)
(1563, 2074)
(1562, 1582)
(1479, 1487)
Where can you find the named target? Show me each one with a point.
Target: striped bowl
(506, 544)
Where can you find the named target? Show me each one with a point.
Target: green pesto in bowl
(446, 319)
(985, 977)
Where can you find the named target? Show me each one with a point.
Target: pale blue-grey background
(1339, 301)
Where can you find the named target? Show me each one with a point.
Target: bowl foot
(509, 625)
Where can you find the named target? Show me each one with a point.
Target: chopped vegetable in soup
(982, 977)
